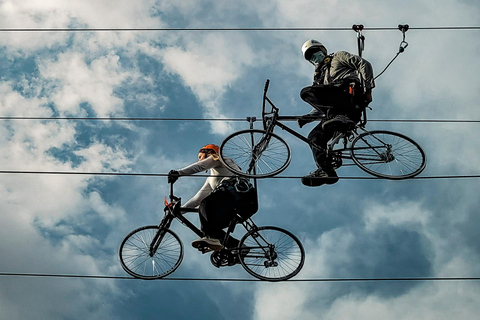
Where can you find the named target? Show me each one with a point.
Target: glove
(173, 176)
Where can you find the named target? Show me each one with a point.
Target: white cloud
(59, 14)
(435, 77)
(429, 301)
(209, 65)
(35, 206)
(79, 83)
(399, 213)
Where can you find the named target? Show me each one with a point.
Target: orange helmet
(210, 147)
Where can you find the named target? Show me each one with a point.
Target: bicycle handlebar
(172, 197)
(266, 87)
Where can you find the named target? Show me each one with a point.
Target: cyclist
(341, 89)
(211, 223)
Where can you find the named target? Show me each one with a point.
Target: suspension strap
(403, 45)
(251, 120)
(360, 37)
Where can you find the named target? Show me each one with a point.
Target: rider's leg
(320, 137)
(220, 234)
(209, 240)
(314, 114)
(212, 226)
(325, 174)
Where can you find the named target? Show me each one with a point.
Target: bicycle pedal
(204, 250)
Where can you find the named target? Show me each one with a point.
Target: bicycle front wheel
(135, 254)
(258, 154)
(388, 155)
(271, 254)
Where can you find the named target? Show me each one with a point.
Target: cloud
(81, 83)
(209, 65)
(42, 215)
(57, 14)
(76, 222)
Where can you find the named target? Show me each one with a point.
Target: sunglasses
(206, 151)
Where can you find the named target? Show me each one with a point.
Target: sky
(74, 224)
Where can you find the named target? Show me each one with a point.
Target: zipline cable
(138, 174)
(229, 29)
(393, 279)
(15, 118)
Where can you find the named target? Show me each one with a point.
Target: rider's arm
(194, 202)
(368, 95)
(206, 189)
(199, 166)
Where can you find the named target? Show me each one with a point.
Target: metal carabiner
(403, 46)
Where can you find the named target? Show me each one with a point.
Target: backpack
(233, 197)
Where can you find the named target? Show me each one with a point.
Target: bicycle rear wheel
(388, 155)
(257, 154)
(135, 255)
(271, 254)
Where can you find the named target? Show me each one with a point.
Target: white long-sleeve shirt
(218, 172)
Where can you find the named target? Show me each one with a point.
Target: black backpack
(233, 197)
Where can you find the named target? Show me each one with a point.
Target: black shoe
(339, 123)
(320, 177)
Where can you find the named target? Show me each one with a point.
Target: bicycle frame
(270, 122)
(174, 211)
(260, 249)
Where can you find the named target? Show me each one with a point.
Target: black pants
(330, 100)
(213, 228)
(320, 137)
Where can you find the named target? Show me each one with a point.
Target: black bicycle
(262, 153)
(267, 253)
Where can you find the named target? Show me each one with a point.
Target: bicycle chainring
(222, 258)
(335, 160)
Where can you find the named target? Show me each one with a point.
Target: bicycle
(381, 153)
(268, 253)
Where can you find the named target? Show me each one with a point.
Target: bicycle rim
(135, 256)
(258, 155)
(274, 254)
(388, 155)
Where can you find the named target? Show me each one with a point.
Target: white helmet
(312, 46)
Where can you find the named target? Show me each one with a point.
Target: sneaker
(207, 242)
(320, 177)
(338, 123)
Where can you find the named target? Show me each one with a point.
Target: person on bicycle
(341, 90)
(208, 159)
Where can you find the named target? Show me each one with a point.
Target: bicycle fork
(157, 239)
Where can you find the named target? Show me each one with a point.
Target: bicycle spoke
(135, 253)
(256, 153)
(274, 254)
(388, 155)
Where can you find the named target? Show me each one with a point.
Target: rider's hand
(173, 176)
(368, 96)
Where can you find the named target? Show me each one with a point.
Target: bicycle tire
(387, 154)
(135, 257)
(274, 254)
(273, 153)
